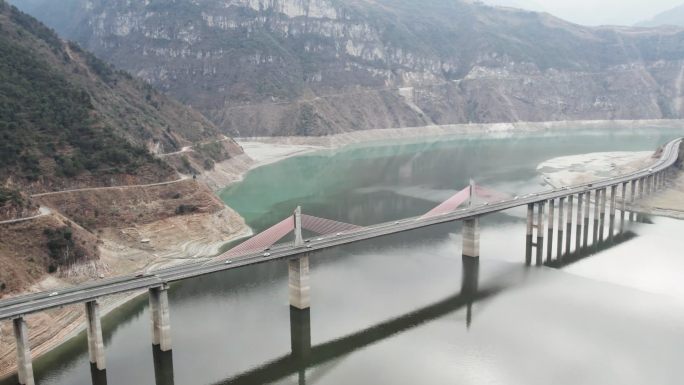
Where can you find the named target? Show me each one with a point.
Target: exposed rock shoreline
(339, 140)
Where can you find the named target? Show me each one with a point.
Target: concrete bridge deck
(298, 252)
(21, 306)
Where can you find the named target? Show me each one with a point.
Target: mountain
(674, 16)
(315, 67)
(68, 119)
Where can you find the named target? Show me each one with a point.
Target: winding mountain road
(16, 307)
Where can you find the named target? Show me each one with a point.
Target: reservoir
(405, 308)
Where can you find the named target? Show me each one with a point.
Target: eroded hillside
(314, 67)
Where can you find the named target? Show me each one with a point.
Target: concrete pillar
(541, 229)
(24, 363)
(469, 284)
(561, 225)
(587, 207)
(642, 188)
(578, 225)
(549, 247)
(649, 185)
(624, 198)
(529, 230)
(597, 209)
(300, 332)
(471, 238)
(163, 366)
(160, 321)
(613, 196)
(300, 296)
(298, 241)
(569, 225)
(633, 195)
(604, 199)
(94, 332)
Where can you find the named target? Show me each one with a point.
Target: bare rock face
(315, 67)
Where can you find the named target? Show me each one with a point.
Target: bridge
(262, 248)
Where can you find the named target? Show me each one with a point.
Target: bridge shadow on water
(323, 357)
(303, 356)
(600, 243)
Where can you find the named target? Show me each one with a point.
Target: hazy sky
(595, 12)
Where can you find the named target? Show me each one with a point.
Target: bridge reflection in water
(305, 357)
(323, 357)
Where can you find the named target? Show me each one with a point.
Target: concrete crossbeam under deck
(24, 364)
(160, 321)
(94, 331)
(298, 272)
(471, 238)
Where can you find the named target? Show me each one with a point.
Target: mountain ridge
(319, 67)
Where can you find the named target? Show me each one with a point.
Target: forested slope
(70, 120)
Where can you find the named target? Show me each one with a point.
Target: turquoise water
(404, 309)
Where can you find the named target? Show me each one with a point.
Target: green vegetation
(65, 250)
(12, 196)
(182, 209)
(213, 150)
(43, 116)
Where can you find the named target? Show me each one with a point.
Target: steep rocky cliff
(312, 67)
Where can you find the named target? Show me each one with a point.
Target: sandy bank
(585, 168)
(338, 140)
(577, 169)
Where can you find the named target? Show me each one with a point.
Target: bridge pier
(633, 190)
(529, 232)
(578, 224)
(624, 199)
(300, 332)
(587, 206)
(597, 208)
(469, 284)
(559, 251)
(94, 331)
(471, 238)
(163, 366)
(541, 229)
(549, 247)
(160, 321)
(24, 363)
(642, 188)
(602, 218)
(568, 225)
(298, 272)
(611, 224)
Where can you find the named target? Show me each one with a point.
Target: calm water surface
(405, 309)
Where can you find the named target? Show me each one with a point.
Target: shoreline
(261, 151)
(343, 139)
